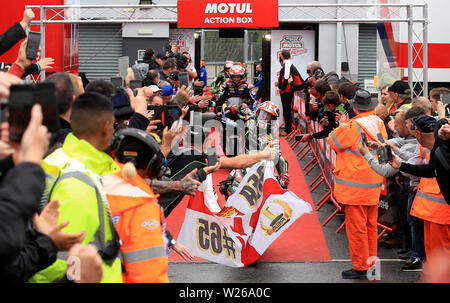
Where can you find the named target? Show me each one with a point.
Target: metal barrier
(324, 158)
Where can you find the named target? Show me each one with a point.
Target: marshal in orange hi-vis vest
(429, 204)
(140, 227)
(355, 182)
(357, 186)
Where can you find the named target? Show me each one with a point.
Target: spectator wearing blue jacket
(202, 80)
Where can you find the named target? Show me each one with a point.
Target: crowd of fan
(87, 202)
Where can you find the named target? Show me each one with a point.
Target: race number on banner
(252, 218)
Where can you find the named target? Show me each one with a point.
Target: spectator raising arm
(16, 32)
(23, 187)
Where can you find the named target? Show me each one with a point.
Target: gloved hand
(245, 110)
(283, 179)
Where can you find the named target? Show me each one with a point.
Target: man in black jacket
(16, 32)
(287, 71)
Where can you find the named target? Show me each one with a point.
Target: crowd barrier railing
(325, 158)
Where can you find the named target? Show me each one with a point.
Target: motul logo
(224, 8)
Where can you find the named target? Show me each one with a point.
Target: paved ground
(297, 272)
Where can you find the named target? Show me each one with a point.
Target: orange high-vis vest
(139, 223)
(355, 183)
(429, 203)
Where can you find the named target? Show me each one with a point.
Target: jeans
(417, 232)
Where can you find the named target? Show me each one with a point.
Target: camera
(181, 61)
(384, 154)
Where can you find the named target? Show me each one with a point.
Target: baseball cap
(424, 124)
(174, 75)
(166, 91)
(154, 88)
(399, 87)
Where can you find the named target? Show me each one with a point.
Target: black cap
(400, 87)
(424, 124)
(174, 75)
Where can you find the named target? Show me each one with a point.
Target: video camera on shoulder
(384, 153)
(182, 61)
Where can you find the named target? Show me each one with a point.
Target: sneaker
(414, 265)
(354, 274)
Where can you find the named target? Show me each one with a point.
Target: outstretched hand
(47, 223)
(183, 251)
(188, 184)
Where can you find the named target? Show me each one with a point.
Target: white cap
(154, 88)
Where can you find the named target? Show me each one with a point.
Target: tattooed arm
(187, 185)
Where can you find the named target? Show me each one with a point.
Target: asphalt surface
(299, 272)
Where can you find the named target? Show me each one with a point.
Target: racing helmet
(266, 112)
(228, 65)
(237, 74)
(140, 148)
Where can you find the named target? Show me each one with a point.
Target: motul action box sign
(231, 13)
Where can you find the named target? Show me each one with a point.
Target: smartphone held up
(33, 43)
(21, 100)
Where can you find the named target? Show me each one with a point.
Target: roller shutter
(100, 45)
(367, 54)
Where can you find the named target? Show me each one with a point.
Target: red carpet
(303, 241)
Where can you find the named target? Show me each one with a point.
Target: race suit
(241, 91)
(221, 78)
(257, 138)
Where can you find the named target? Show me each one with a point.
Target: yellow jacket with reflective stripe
(79, 202)
(355, 183)
(429, 203)
(140, 227)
